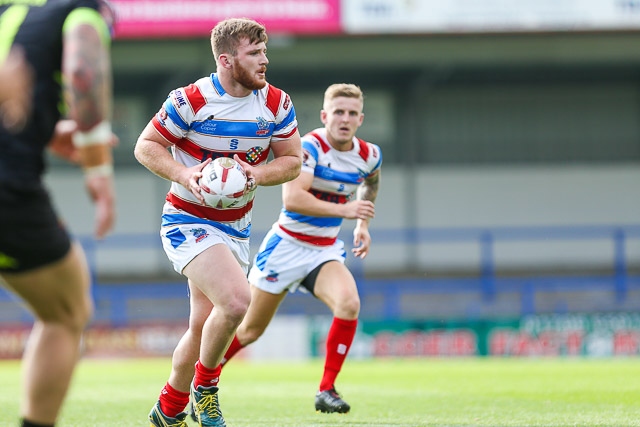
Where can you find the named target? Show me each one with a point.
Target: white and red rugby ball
(223, 183)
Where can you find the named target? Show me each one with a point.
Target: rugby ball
(223, 183)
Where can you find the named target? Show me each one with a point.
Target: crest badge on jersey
(263, 126)
(200, 234)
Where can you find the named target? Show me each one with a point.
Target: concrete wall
(440, 198)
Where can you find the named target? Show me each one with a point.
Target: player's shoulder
(316, 138)
(276, 100)
(370, 146)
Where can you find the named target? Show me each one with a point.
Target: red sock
(172, 401)
(339, 341)
(234, 347)
(206, 377)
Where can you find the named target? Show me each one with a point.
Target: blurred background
(508, 219)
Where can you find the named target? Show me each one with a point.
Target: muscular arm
(283, 168)
(151, 151)
(86, 77)
(361, 238)
(297, 198)
(369, 191)
(16, 87)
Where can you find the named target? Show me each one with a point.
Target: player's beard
(243, 76)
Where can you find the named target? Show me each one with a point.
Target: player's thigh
(335, 286)
(200, 308)
(262, 308)
(58, 291)
(219, 276)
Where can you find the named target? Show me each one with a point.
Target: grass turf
(395, 392)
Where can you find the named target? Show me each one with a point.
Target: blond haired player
(339, 180)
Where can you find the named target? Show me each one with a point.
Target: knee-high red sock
(206, 377)
(234, 347)
(172, 401)
(339, 341)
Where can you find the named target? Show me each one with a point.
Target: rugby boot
(159, 419)
(206, 408)
(329, 401)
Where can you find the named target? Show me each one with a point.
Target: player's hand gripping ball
(223, 183)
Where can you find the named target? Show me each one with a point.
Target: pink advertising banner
(196, 18)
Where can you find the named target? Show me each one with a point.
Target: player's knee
(236, 309)
(348, 307)
(73, 316)
(250, 335)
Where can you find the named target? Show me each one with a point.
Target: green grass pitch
(395, 392)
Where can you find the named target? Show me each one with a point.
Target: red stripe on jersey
(195, 97)
(273, 99)
(207, 212)
(364, 149)
(325, 147)
(289, 135)
(192, 149)
(164, 132)
(201, 154)
(329, 197)
(314, 240)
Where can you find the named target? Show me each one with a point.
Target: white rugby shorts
(183, 242)
(282, 262)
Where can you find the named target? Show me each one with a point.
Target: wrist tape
(100, 134)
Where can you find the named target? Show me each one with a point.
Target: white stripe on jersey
(337, 176)
(202, 121)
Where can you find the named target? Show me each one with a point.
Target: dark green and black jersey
(37, 26)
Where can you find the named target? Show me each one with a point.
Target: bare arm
(16, 87)
(151, 151)
(297, 198)
(283, 168)
(361, 237)
(86, 75)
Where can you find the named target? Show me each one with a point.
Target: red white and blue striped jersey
(336, 177)
(202, 121)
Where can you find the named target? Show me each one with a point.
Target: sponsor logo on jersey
(208, 126)
(287, 102)
(180, 98)
(162, 116)
(253, 154)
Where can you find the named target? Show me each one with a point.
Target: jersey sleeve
(374, 161)
(286, 123)
(178, 111)
(310, 150)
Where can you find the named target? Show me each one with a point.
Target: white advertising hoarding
(473, 16)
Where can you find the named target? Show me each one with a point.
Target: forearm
(306, 203)
(86, 71)
(87, 79)
(279, 171)
(369, 189)
(158, 160)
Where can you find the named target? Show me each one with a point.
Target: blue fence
(392, 298)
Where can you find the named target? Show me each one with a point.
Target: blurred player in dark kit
(39, 262)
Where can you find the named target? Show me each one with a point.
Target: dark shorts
(31, 235)
(309, 282)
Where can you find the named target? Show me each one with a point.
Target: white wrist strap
(105, 169)
(100, 134)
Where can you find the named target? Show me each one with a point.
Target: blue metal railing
(486, 239)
